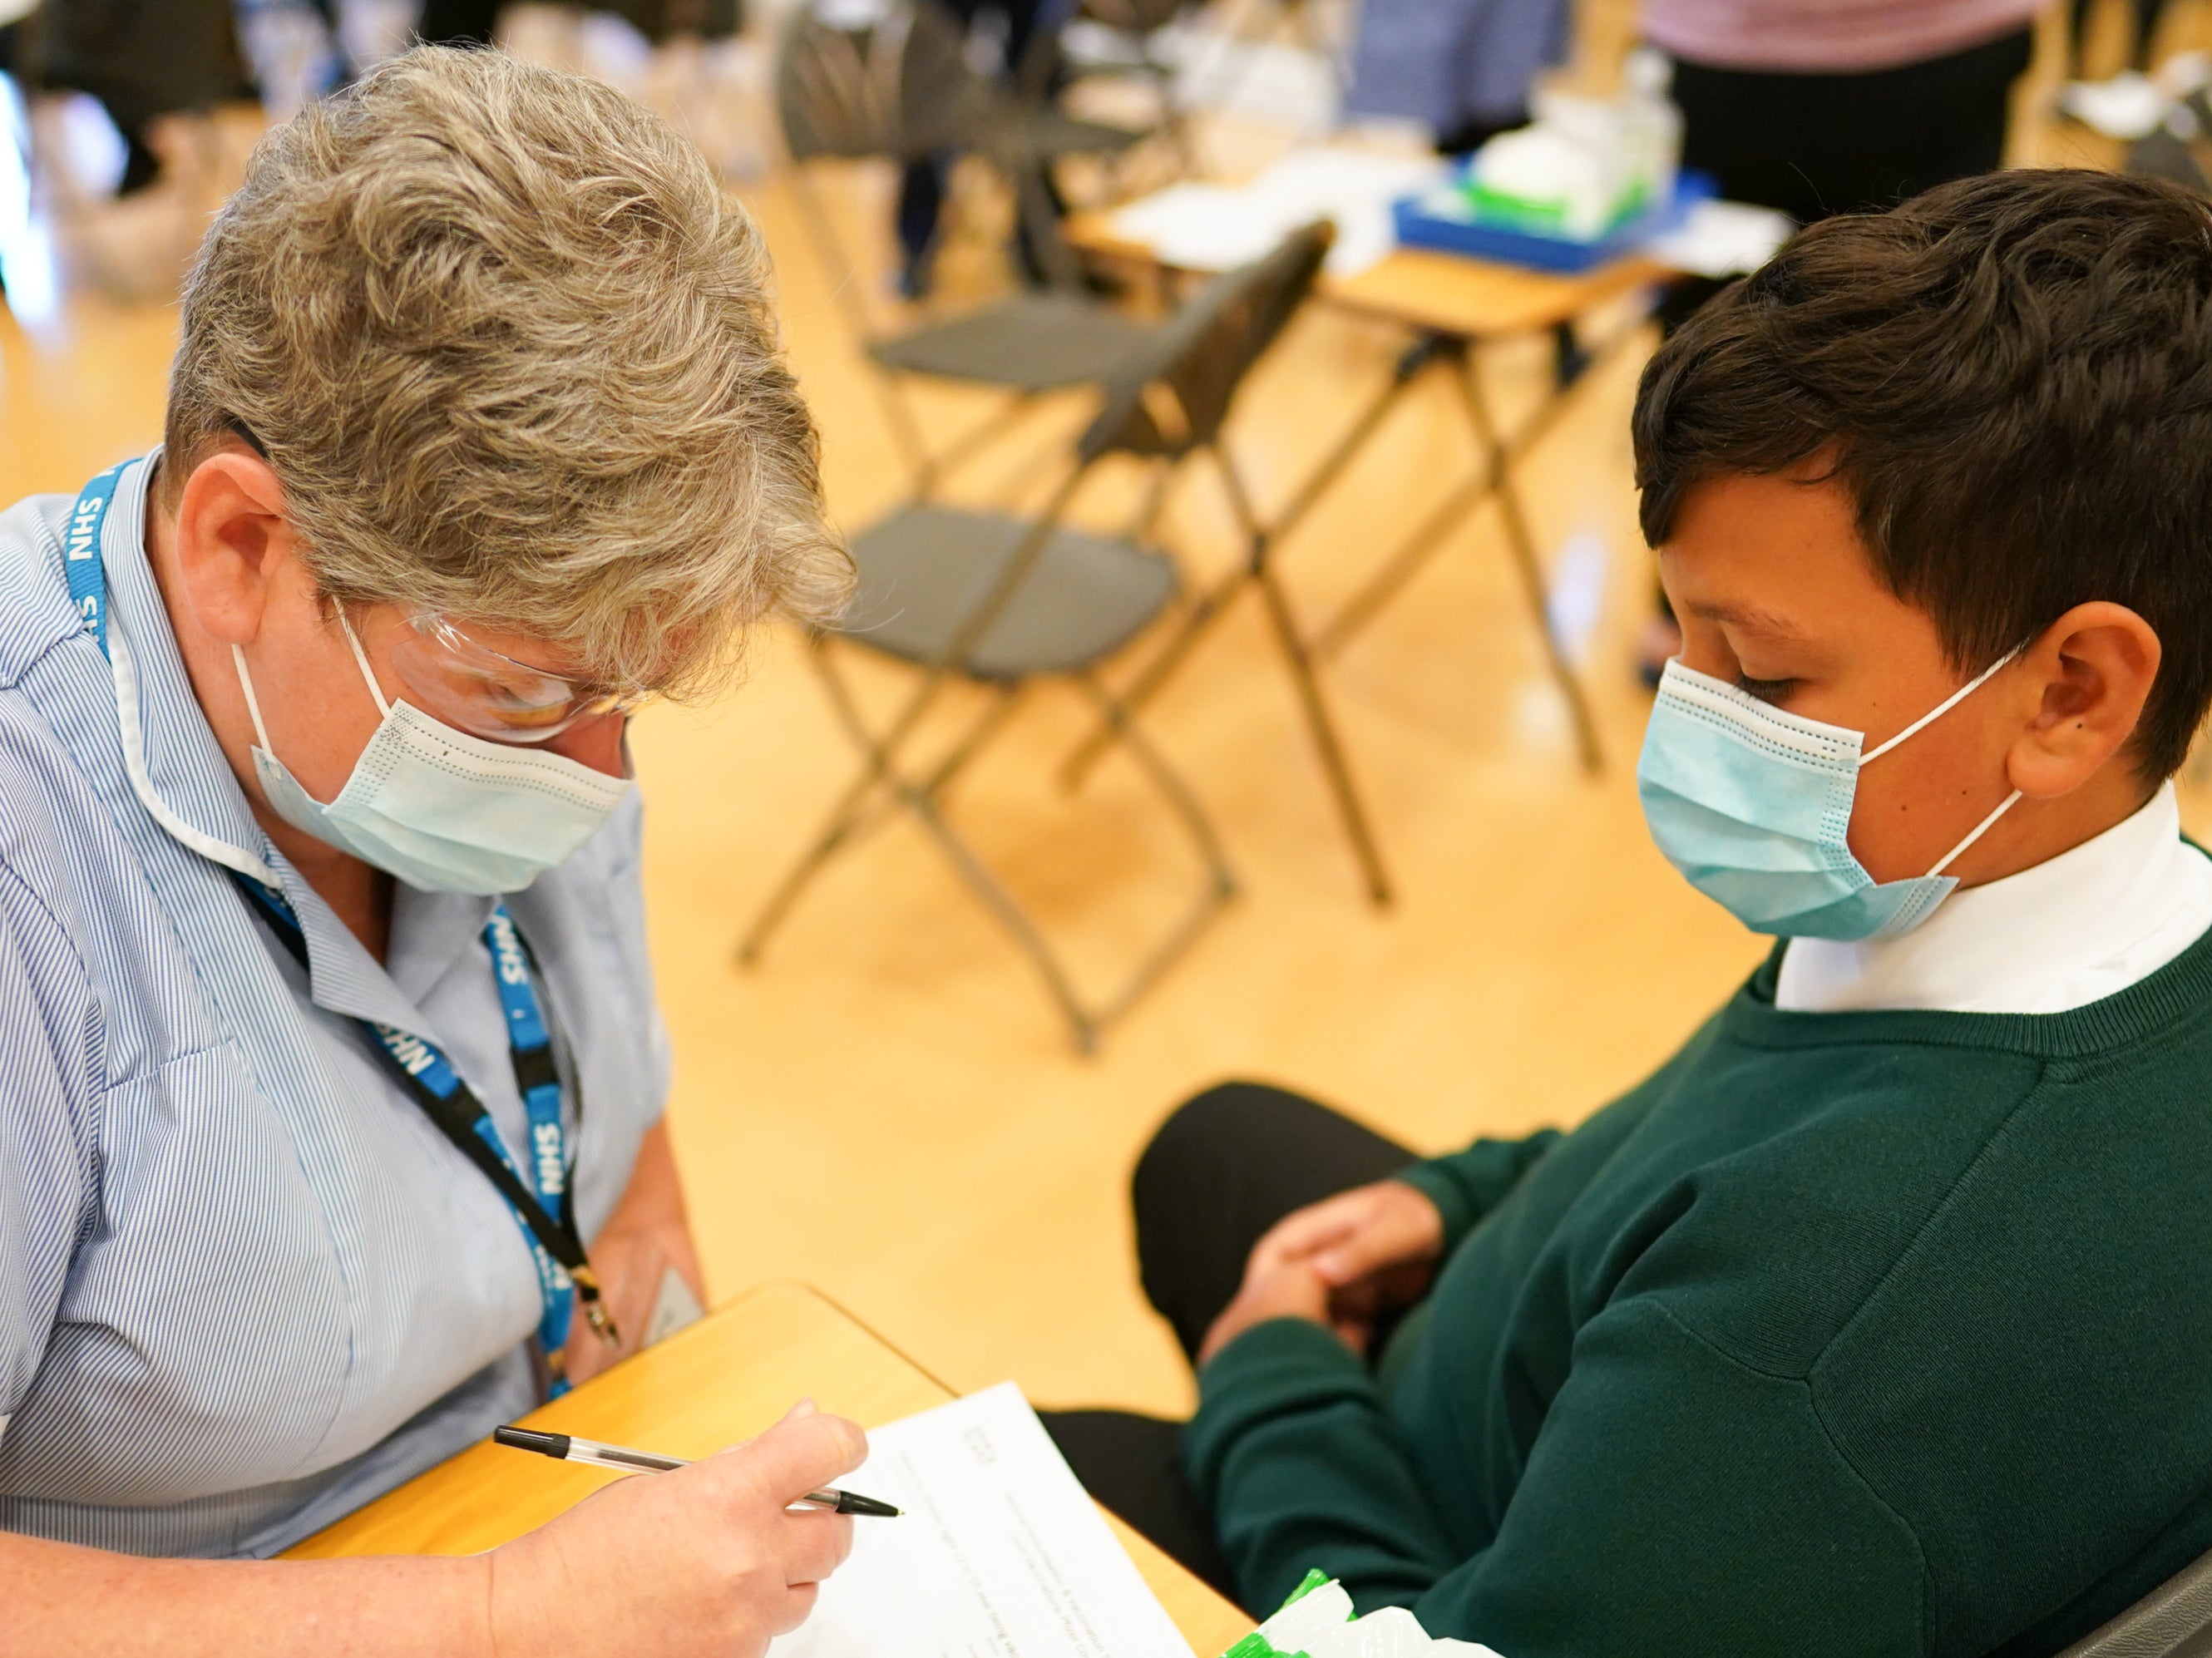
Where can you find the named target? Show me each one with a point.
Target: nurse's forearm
(84, 1603)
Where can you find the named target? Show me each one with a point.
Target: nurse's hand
(706, 1560)
(1376, 1247)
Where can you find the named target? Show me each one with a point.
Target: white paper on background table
(1723, 238)
(999, 1554)
(1198, 227)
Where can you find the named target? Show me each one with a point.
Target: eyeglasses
(490, 694)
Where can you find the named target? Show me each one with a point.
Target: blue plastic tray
(1417, 226)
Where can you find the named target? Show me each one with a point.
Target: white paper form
(999, 1554)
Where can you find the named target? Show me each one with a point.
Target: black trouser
(1223, 1168)
(922, 186)
(1817, 144)
(1813, 145)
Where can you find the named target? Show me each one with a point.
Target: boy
(1879, 1320)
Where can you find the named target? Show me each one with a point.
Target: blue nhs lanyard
(544, 1200)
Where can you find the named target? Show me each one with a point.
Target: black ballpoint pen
(569, 1447)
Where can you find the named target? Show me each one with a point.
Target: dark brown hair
(2013, 375)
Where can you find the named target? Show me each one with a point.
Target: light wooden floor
(887, 1108)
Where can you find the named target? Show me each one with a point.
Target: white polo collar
(2073, 930)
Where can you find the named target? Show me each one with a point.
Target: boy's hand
(1376, 1247)
(1291, 1291)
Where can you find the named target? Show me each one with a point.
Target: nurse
(329, 1123)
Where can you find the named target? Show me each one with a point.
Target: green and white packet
(1316, 1622)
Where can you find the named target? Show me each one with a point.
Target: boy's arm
(1674, 1500)
(1465, 1186)
(1292, 1454)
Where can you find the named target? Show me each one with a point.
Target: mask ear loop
(252, 702)
(1942, 708)
(1928, 719)
(1980, 829)
(376, 690)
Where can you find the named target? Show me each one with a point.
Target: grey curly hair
(508, 348)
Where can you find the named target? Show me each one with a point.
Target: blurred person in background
(460, 22)
(1001, 31)
(332, 1133)
(142, 61)
(1816, 107)
(1822, 107)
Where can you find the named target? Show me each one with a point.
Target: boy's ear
(2096, 664)
(231, 533)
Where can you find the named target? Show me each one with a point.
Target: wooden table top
(1448, 292)
(724, 1379)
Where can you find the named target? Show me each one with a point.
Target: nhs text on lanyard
(543, 1202)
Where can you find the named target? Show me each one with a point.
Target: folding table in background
(1455, 308)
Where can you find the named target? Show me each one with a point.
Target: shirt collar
(2069, 931)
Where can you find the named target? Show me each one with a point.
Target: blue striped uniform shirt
(245, 1284)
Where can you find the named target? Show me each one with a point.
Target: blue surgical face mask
(1753, 806)
(441, 810)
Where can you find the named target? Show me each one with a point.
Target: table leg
(1523, 546)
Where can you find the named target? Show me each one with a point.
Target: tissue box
(1447, 219)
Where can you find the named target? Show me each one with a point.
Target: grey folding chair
(1302, 653)
(1002, 601)
(898, 86)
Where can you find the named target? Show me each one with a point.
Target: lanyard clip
(595, 1312)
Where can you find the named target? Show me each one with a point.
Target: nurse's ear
(2096, 663)
(233, 547)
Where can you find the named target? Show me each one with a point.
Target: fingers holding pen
(808, 1449)
(705, 1558)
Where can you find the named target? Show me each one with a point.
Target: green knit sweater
(1862, 1334)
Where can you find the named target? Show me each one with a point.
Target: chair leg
(1218, 889)
(1114, 718)
(844, 818)
(1523, 547)
(924, 798)
(1164, 662)
(975, 440)
(1333, 763)
(1085, 1023)
(1004, 696)
(1412, 555)
(849, 817)
(842, 275)
(954, 759)
(1082, 1025)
